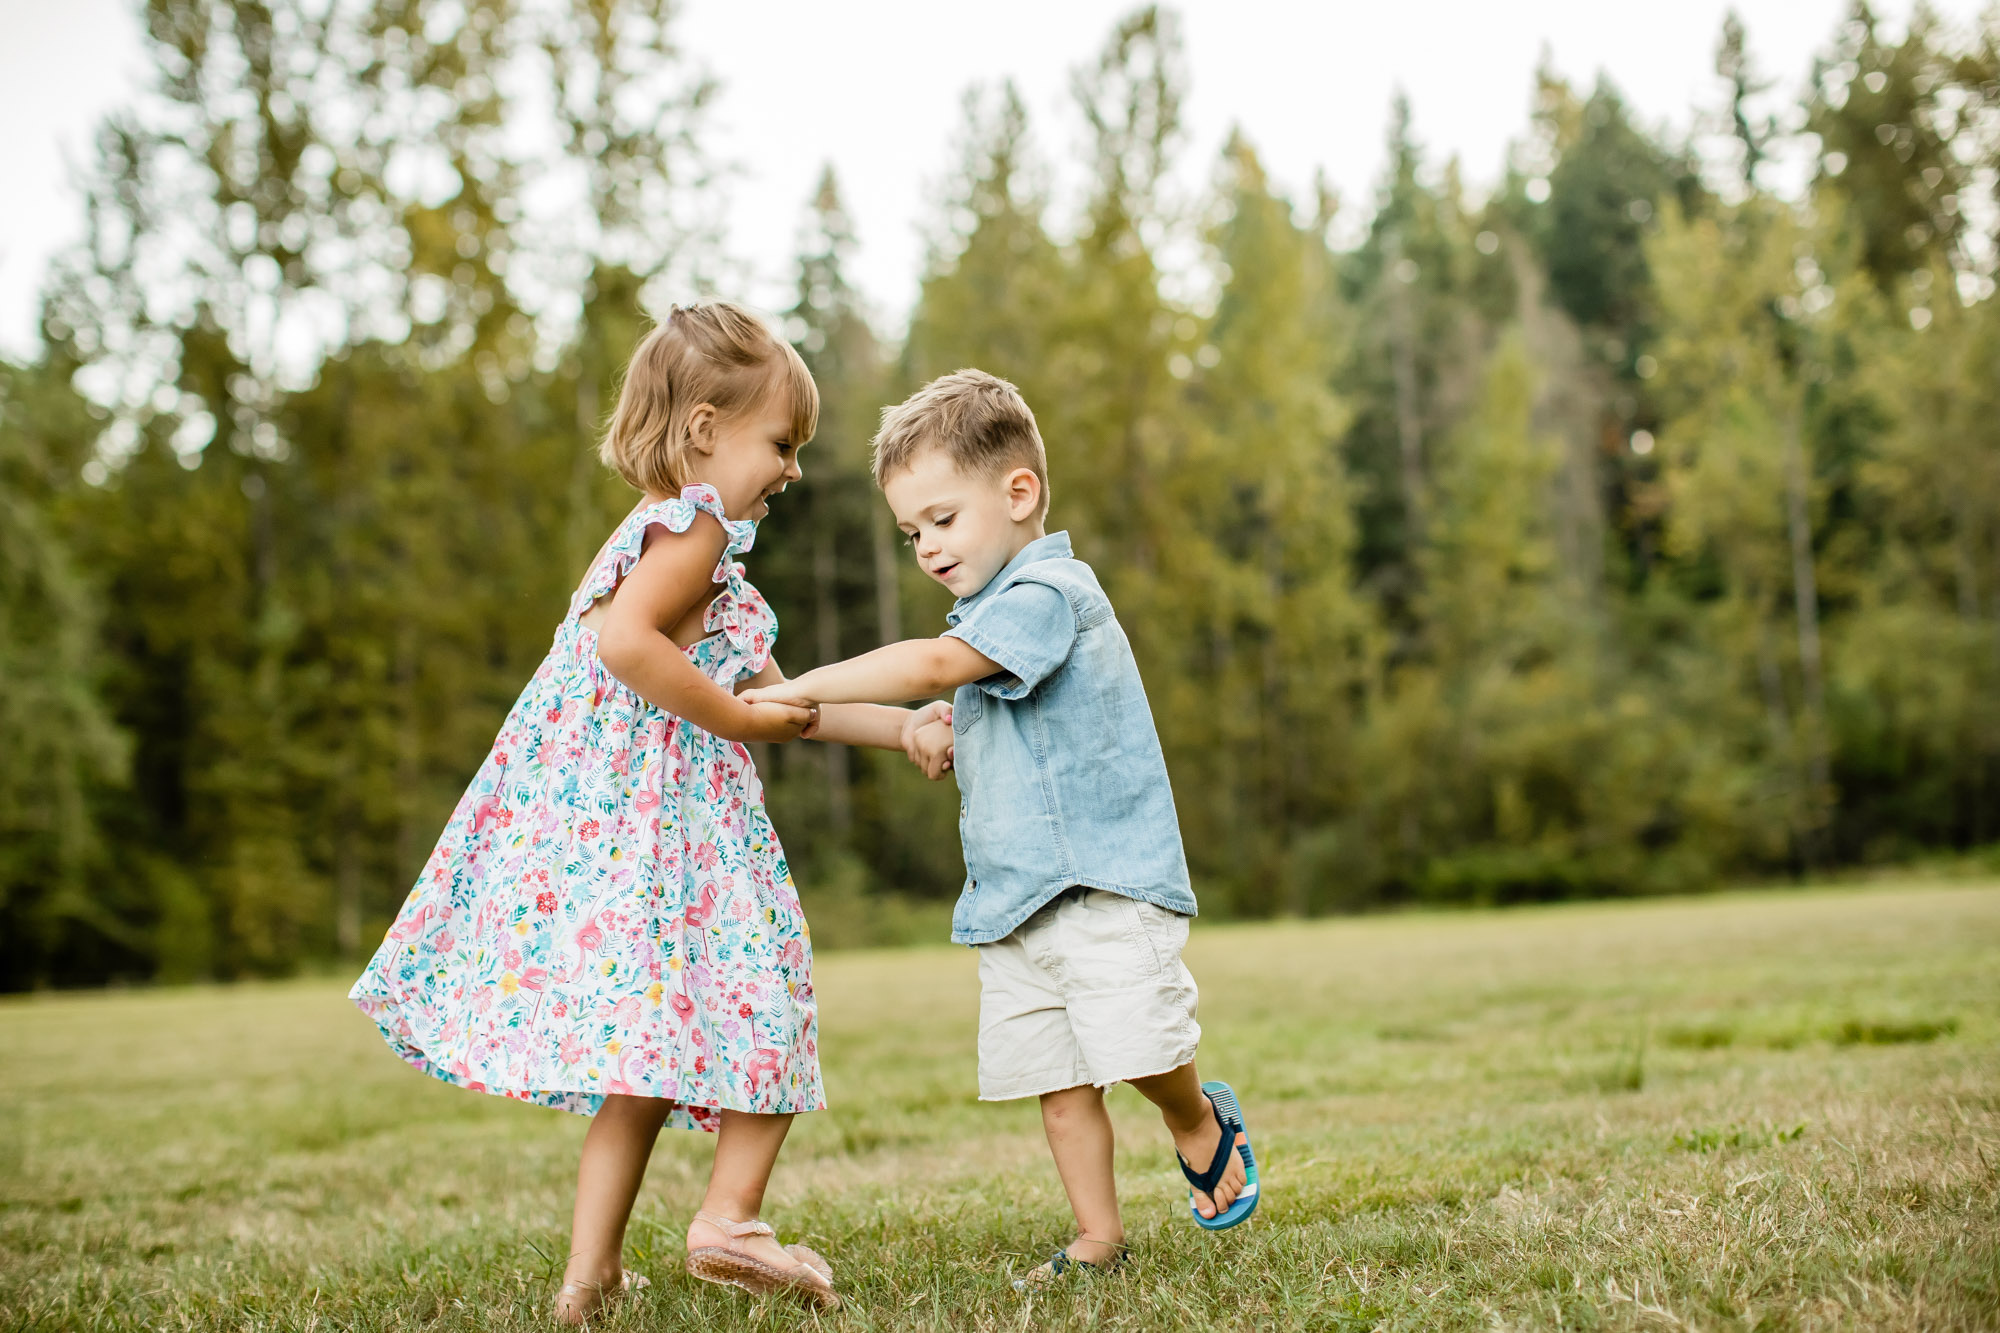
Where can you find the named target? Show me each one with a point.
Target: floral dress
(609, 909)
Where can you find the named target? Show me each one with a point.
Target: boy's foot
(1201, 1146)
(1094, 1258)
(747, 1255)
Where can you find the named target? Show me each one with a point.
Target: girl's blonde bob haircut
(714, 352)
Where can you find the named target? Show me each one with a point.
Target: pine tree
(1254, 592)
(59, 921)
(1888, 118)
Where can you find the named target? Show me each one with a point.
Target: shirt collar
(1055, 546)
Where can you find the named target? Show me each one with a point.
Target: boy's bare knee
(1071, 1101)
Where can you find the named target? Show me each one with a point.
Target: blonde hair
(980, 421)
(714, 352)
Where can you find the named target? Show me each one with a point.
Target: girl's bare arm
(673, 575)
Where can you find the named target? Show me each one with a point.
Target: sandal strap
(732, 1229)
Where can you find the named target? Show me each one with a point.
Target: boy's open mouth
(943, 572)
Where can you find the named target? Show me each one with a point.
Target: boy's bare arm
(873, 725)
(912, 669)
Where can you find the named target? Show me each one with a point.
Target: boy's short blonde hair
(714, 352)
(980, 421)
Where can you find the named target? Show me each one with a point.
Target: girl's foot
(747, 1255)
(581, 1299)
(1093, 1258)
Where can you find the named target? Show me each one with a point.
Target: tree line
(1624, 527)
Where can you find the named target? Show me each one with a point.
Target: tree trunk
(409, 754)
(826, 614)
(1571, 406)
(1409, 426)
(1805, 600)
(1778, 717)
(1964, 541)
(888, 589)
(1279, 743)
(581, 531)
(347, 891)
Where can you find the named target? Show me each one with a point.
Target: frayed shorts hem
(1042, 1086)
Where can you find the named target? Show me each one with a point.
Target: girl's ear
(701, 428)
(1024, 494)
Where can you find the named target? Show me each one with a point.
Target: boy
(1076, 892)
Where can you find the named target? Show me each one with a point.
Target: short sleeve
(1028, 628)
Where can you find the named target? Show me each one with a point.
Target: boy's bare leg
(1080, 1137)
(1191, 1120)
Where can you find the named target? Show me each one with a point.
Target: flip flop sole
(1245, 1203)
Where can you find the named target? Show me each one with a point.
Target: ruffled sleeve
(738, 611)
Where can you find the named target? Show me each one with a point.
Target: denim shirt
(1060, 776)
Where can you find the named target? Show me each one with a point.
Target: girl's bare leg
(1079, 1131)
(745, 1152)
(615, 1152)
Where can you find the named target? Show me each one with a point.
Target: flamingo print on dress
(700, 914)
(764, 1063)
(620, 894)
(409, 928)
(487, 809)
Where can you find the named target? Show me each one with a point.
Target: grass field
(1774, 1111)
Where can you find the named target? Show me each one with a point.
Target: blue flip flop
(1230, 1117)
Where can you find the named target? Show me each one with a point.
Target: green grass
(1773, 1111)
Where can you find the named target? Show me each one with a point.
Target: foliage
(1625, 529)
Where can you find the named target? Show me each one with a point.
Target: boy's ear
(1024, 494)
(701, 428)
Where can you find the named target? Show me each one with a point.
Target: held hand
(784, 692)
(919, 718)
(933, 749)
(764, 721)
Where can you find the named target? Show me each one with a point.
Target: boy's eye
(945, 522)
(786, 446)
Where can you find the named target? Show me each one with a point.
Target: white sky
(874, 87)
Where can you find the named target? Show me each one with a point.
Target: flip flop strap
(1060, 1262)
(734, 1230)
(1205, 1182)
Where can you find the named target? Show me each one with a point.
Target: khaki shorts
(1090, 989)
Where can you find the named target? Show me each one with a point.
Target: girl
(608, 925)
